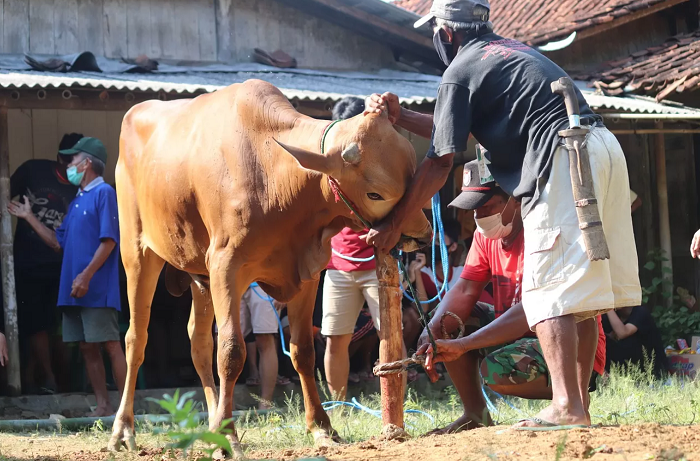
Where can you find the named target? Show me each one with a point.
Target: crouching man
(498, 346)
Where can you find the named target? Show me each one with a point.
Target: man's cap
(456, 10)
(92, 146)
(474, 194)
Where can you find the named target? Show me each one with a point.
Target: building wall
(194, 30)
(35, 134)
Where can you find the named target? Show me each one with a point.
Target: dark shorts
(36, 303)
(90, 324)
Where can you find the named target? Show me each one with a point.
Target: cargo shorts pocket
(544, 258)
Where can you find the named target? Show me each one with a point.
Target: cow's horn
(351, 154)
(311, 160)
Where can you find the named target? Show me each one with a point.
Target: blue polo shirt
(91, 217)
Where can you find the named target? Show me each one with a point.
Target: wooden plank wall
(36, 133)
(189, 30)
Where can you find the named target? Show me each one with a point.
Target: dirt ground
(645, 442)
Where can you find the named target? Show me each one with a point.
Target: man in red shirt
(517, 367)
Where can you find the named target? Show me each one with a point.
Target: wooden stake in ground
(390, 338)
(8, 265)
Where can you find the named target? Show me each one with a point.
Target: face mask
(492, 227)
(444, 49)
(74, 177)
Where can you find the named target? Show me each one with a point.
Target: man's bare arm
(428, 180)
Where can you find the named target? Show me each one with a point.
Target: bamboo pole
(664, 217)
(8, 265)
(390, 338)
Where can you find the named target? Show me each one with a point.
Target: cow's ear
(329, 164)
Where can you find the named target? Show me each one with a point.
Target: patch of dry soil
(644, 442)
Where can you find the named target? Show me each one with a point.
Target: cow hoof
(124, 437)
(221, 454)
(116, 443)
(324, 438)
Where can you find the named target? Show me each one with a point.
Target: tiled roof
(540, 21)
(662, 70)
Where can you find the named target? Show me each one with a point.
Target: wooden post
(664, 219)
(390, 338)
(8, 262)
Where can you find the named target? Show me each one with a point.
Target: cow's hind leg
(226, 292)
(142, 271)
(201, 341)
(300, 311)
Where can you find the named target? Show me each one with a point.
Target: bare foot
(555, 415)
(101, 412)
(463, 423)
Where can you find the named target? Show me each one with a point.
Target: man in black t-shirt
(498, 90)
(38, 267)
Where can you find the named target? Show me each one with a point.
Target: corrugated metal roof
(299, 84)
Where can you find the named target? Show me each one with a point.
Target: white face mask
(492, 227)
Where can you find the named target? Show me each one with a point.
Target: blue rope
(285, 351)
(437, 225)
(376, 413)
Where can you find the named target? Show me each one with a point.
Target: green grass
(627, 397)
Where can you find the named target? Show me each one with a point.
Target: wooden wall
(36, 133)
(195, 30)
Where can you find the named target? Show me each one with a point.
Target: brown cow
(203, 185)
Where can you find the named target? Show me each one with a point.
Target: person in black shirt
(498, 90)
(38, 267)
(634, 338)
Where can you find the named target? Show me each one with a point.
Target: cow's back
(191, 168)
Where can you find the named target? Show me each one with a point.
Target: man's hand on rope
(448, 350)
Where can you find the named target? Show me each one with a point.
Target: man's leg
(268, 368)
(101, 327)
(39, 347)
(118, 361)
(587, 344)
(559, 341)
(464, 373)
(252, 362)
(95, 368)
(342, 301)
(337, 364)
(466, 378)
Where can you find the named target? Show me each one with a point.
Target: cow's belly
(173, 229)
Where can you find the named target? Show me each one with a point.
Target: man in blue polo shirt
(89, 285)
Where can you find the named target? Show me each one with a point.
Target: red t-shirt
(349, 243)
(431, 290)
(488, 260)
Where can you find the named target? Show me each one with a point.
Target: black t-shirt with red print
(498, 89)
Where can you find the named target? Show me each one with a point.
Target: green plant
(675, 321)
(188, 429)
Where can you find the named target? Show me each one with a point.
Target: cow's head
(373, 165)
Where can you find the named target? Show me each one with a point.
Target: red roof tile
(661, 70)
(540, 21)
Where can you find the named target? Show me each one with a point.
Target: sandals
(252, 382)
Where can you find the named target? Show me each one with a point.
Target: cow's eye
(374, 196)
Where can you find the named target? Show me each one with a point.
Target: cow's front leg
(226, 292)
(300, 312)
